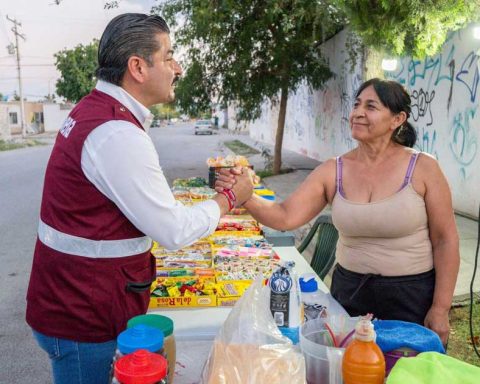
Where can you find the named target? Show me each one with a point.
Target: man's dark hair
(127, 35)
(396, 98)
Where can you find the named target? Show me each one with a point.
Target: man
(104, 197)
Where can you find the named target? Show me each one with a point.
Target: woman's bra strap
(410, 169)
(339, 176)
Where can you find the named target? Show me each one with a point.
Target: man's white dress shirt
(121, 161)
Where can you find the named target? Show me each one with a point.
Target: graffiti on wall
(464, 138)
(445, 101)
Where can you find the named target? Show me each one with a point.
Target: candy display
(215, 271)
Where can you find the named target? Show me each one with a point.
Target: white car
(203, 127)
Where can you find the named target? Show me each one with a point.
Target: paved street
(181, 153)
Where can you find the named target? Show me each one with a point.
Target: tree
(191, 92)
(249, 51)
(408, 27)
(164, 111)
(77, 67)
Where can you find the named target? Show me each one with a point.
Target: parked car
(203, 127)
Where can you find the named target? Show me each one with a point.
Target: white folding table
(195, 328)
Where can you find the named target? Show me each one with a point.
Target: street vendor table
(195, 328)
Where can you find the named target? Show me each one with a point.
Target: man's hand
(226, 178)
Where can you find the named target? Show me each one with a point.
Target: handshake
(239, 180)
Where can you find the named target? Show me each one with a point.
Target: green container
(157, 321)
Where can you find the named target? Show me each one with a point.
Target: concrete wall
(15, 129)
(445, 100)
(54, 115)
(445, 111)
(316, 124)
(4, 126)
(30, 110)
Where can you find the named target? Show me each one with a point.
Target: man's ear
(136, 67)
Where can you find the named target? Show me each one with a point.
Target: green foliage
(408, 27)
(77, 67)
(247, 51)
(164, 111)
(191, 91)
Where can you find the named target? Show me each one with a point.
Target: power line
(28, 65)
(4, 29)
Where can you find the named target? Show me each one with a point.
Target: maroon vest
(75, 297)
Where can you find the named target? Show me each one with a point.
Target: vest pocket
(132, 293)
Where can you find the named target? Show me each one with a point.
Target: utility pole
(17, 34)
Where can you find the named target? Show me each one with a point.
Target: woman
(398, 250)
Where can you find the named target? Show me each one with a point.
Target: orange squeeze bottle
(363, 361)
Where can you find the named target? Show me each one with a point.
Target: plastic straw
(332, 335)
(346, 338)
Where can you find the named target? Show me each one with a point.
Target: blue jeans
(78, 363)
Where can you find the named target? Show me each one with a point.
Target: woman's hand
(437, 320)
(225, 178)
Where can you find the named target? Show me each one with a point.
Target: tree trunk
(277, 155)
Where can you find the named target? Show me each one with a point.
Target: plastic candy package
(250, 349)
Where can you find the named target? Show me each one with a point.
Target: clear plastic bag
(249, 349)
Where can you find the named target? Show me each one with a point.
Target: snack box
(201, 245)
(238, 223)
(229, 292)
(234, 233)
(198, 254)
(249, 252)
(236, 268)
(183, 302)
(181, 272)
(185, 291)
(257, 241)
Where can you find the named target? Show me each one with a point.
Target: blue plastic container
(140, 337)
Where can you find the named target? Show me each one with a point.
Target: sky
(49, 28)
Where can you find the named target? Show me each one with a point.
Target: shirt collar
(142, 113)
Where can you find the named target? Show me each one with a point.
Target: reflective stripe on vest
(80, 246)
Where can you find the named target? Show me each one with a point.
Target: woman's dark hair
(127, 35)
(395, 97)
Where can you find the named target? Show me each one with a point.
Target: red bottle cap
(141, 367)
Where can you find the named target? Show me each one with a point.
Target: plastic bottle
(285, 303)
(363, 361)
(141, 367)
(165, 324)
(311, 297)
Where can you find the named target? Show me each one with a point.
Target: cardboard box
(183, 302)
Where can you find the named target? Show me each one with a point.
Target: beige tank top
(387, 237)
